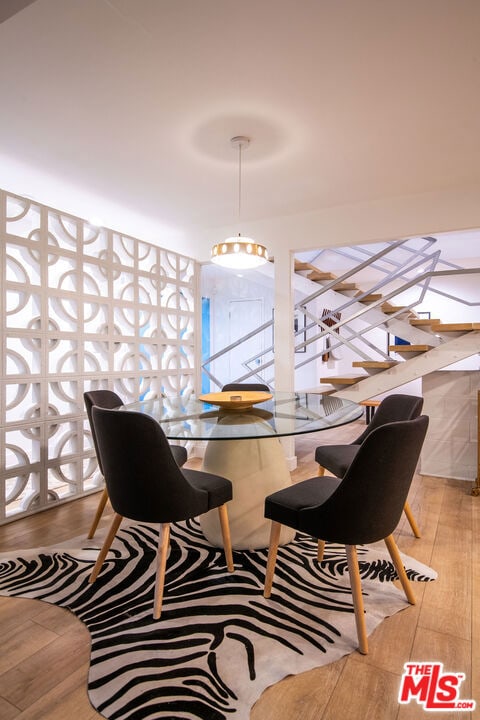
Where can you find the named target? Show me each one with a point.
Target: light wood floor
(45, 650)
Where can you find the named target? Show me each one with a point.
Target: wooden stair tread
(299, 266)
(420, 322)
(345, 286)
(382, 364)
(409, 348)
(343, 379)
(455, 327)
(321, 276)
(388, 309)
(373, 297)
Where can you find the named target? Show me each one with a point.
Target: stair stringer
(414, 335)
(435, 359)
(371, 317)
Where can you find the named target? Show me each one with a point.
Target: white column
(284, 340)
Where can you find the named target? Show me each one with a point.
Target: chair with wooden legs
(363, 507)
(336, 459)
(145, 484)
(110, 400)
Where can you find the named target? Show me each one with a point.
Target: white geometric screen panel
(81, 308)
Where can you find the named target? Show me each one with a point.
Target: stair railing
(417, 281)
(423, 281)
(406, 286)
(429, 275)
(388, 259)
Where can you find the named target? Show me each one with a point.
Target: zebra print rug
(219, 643)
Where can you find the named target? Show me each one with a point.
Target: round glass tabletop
(189, 418)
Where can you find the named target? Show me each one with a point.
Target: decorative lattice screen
(81, 308)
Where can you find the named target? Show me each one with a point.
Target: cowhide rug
(219, 642)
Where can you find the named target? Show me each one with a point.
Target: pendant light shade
(239, 253)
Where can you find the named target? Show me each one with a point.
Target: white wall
(383, 219)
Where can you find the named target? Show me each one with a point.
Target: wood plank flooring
(45, 649)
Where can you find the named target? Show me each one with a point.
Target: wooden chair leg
(408, 512)
(100, 508)
(272, 557)
(320, 550)
(397, 561)
(356, 586)
(227, 541)
(321, 471)
(162, 552)
(117, 519)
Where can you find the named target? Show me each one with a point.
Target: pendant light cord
(239, 181)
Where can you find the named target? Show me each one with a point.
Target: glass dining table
(243, 446)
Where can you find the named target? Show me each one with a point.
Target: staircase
(432, 345)
(443, 344)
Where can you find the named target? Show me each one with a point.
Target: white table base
(256, 468)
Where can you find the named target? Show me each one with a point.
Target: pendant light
(240, 252)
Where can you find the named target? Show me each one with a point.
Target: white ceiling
(125, 108)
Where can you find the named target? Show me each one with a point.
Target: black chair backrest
(393, 408)
(101, 398)
(143, 480)
(368, 503)
(257, 387)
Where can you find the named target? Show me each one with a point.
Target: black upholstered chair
(145, 484)
(363, 507)
(110, 400)
(257, 387)
(336, 459)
